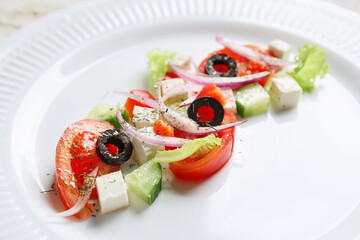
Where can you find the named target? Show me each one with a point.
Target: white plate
(295, 174)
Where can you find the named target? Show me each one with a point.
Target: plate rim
(12, 47)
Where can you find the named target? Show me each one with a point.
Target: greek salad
(187, 127)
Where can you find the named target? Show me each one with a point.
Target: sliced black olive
(208, 102)
(118, 139)
(221, 60)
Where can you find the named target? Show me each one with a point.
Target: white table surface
(15, 14)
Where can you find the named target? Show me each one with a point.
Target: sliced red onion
(155, 140)
(195, 66)
(219, 81)
(82, 200)
(249, 53)
(178, 120)
(175, 118)
(191, 98)
(188, 101)
(181, 89)
(209, 130)
(184, 124)
(144, 100)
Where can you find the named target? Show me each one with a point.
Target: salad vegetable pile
(188, 126)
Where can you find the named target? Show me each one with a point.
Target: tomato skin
(163, 129)
(130, 103)
(67, 172)
(170, 75)
(200, 169)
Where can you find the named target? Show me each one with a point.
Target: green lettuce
(107, 112)
(196, 149)
(158, 63)
(311, 63)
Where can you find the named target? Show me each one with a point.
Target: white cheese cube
(171, 83)
(230, 99)
(147, 131)
(143, 151)
(112, 192)
(285, 92)
(280, 49)
(144, 117)
(181, 60)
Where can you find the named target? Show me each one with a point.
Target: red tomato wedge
(163, 129)
(130, 103)
(76, 157)
(191, 169)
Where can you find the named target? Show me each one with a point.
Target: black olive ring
(221, 59)
(208, 102)
(120, 140)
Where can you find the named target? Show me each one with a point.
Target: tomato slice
(191, 169)
(76, 157)
(130, 103)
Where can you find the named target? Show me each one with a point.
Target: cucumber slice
(107, 112)
(145, 181)
(252, 99)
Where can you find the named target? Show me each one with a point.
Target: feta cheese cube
(280, 49)
(285, 92)
(143, 151)
(112, 192)
(230, 99)
(171, 83)
(181, 60)
(147, 131)
(144, 117)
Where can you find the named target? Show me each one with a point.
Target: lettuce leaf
(196, 149)
(311, 63)
(107, 112)
(158, 63)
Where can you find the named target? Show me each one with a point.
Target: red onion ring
(187, 125)
(82, 200)
(144, 100)
(188, 101)
(215, 129)
(174, 118)
(195, 66)
(204, 80)
(155, 140)
(249, 53)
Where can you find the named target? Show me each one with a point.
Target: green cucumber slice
(107, 112)
(146, 181)
(252, 99)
